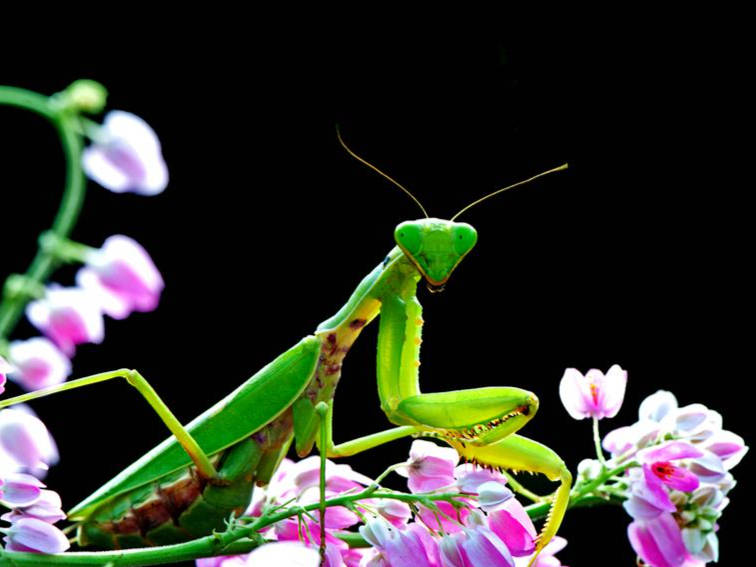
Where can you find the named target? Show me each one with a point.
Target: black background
(636, 255)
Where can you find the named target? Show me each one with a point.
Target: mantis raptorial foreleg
(185, 439)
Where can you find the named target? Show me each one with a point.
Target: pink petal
(613, 387)
(492, 495)
(35, 535)
(68, 316)
(21, 489)
(126, 156)
(39, 364)
(669, 451)
(728, 446)
(656, 406)
(483, 547)
(708, 468)
(25, 439)
(573, 396)
(470, 477)
(515, 528)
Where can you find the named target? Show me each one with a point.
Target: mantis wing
(258, 401)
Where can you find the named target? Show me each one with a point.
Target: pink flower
(46, 507)
(474, 547)
(648, 496)
(5, 368)
(125, 156)
(512, 524)
(31, 534)
(410, 547)
(658, 466)
(122, 276)
(659, 542)
(429, 466)
(470, 477)
(20, 489)
(596, 394)
(25, 442)
(38, 364)
(69, 316)
(546, 557)
(493, 495)
(728, 446)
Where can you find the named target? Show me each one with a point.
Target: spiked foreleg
(522, 454)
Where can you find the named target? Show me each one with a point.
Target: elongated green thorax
(435, 246)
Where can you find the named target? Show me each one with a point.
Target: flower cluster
(678, 492)
(480, 523)
(117, 279)
(675, 462)
(26, 451)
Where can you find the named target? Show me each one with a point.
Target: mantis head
(435, 246)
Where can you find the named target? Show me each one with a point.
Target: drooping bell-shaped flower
(125, 156)
(33, 535)
(429, 466)
(47, 507)
(20, 489)
(25, 442)
(122, 276)
(68, 316)
(38, 363)
(594, 394)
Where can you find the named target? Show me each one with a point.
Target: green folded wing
(258, 401)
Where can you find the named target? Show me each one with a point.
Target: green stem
(44, 263)
(231, 542)
(597, 442)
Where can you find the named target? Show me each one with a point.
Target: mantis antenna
(560, 168)
(371, 166)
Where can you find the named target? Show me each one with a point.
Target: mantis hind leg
(134, 378)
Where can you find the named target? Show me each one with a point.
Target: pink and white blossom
(46, 507)
(68, 316)
(25, 442)
(429, 466)
(659, 542)
(510, 521)
(594, 394)
(125, 156)
(470, 477)
(473, 547)
(122, 276)
(38, 363)
(20, 489)
(37, 536)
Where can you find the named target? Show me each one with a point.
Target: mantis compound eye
(409, 237)
(464, 238)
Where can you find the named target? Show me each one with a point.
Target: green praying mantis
(191, 483)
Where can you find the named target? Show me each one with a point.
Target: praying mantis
(189, 485)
